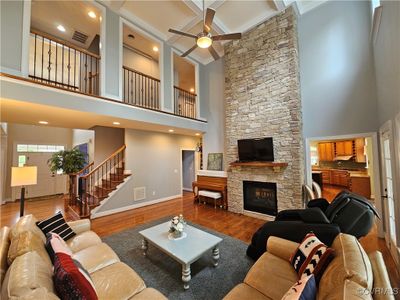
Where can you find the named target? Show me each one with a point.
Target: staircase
(90, 186)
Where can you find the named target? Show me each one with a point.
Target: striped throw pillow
(56, 224)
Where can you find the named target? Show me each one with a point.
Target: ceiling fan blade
(213, 52)
(182, 33)
(189, 51)
(229, 36)
(208, 19)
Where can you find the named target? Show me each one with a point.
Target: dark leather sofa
(347, 213)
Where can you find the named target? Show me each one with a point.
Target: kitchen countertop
(353, 173)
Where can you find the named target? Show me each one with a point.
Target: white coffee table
(186, 251)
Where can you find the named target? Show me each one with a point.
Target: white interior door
(388, 182)
(47, 182)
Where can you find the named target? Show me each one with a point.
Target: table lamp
(22, 176)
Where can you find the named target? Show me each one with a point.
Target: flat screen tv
(256, 149)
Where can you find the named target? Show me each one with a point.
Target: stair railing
(73, 183)
(93, 184)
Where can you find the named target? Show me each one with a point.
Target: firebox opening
(260, 197)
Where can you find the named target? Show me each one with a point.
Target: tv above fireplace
(256, 149)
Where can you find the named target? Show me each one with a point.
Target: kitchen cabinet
(344, 148)
(326, 176)
(340, 177)
(360, 184)
(326, 151)
(360, 156)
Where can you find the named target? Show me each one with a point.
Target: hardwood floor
(235, 225)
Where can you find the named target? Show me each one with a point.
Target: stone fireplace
(260, 197)
(262, 94)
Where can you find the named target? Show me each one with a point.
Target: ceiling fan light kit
(205, 39)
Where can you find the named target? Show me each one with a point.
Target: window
(21, 160)
(39, 148)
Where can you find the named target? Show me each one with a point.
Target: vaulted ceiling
(187, 15)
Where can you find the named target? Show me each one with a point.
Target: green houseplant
(69, 161)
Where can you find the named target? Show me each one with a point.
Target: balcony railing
(141, 89)
(185, 103)
(59, 63)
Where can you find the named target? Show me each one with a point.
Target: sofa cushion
(56, 224)
(109, 280)
(311, 257)
(24, 242)
(271, 276)
(355, 261)
(4, 245)
(243, 291)
(27, 272)
(71, 281)
(381, 276)
(149, 293)
(83, 240)
(36, 294)
(303, 289)
(27, 223)
(96, 257)
(348, 290)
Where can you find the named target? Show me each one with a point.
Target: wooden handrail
(183, 90)
(115, 153)
(140, 73)
(84, 169)
(66, 43)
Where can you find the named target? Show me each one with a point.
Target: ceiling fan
(205, 39)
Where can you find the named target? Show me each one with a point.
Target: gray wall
(112, 54)
(106, 141)
(31, 134)
(155, 161)
(336, 69)
(213, 110)
(11, 34)
(387, 62)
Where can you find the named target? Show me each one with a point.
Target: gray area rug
(163, 273)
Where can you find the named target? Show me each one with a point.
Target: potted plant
(70, 162)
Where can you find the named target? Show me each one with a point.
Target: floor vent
(139, 193)
(80, 37)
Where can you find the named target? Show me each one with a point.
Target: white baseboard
(133, 206)
(187, 189)
(6, 200)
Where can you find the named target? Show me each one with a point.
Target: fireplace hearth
(260, 197)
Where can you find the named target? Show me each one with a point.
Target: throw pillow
(55, 244)
(71, 280)
(311, 257)
(304, 289)
(58, 225)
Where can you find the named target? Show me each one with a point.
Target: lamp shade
(23, 176)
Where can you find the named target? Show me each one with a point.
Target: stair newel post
(72, 189)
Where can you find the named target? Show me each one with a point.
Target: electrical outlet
(175, 170)
(154, 193)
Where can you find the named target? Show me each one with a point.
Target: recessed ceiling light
(155, 49)
(43, 122)
(61, 28)
(192, 90)
(170, 130)
(116, 123)
(197, 134)
(131, 36)
(92, 14)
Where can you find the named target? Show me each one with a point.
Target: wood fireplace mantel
(260, 164)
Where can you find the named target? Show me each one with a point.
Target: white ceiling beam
(219, 26)
(186, 28)
(279, 4)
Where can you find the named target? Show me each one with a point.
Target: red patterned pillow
(71, 280)
(311, 257)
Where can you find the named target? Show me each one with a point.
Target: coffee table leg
(145, 246)
(186, 276)
(215, 256)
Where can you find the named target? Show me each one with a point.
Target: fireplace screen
(260, 197)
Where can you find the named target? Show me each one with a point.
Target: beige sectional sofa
(351, 275)
(28, 269)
